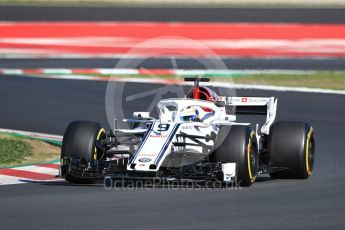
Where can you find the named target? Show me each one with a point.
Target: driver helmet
(190, 113)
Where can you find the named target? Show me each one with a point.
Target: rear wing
(253, 106)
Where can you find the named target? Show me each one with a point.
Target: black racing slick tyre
(291, 145)
(238, 144)
(79, 143)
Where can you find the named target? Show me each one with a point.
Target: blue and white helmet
(190, 113)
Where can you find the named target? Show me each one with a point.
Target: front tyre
(79, 143)
(291, 145)
(238, 144)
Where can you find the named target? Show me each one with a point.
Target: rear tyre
(238, 144)
(291, 145)
(79, 143)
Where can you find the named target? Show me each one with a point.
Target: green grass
(14, 151)
(311, 79)
(318, 79)
(323, 80)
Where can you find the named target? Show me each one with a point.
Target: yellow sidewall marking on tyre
(100, 132)
(251, 177)
(307, 151)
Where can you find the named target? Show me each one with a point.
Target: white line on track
(38, 169)
(217, 84)
(9, 180)
(33, 134)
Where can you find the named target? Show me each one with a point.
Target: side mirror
(142, 115)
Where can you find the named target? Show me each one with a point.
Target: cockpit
(187, 110)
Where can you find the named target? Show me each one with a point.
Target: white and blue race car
(195, 138)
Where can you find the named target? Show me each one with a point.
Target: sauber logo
(148, 154)
(158, 136)
(244, 99)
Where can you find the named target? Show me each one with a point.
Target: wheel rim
(100, 135)
(311, 156)
(252, 161)
(310, 152)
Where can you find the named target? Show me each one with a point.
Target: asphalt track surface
(48, 105)
(162, 63)
(15, 13)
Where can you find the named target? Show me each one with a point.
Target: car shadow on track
(58, 183)
(144, 185)
(264, 179)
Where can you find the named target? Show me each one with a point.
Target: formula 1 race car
(195, 138)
